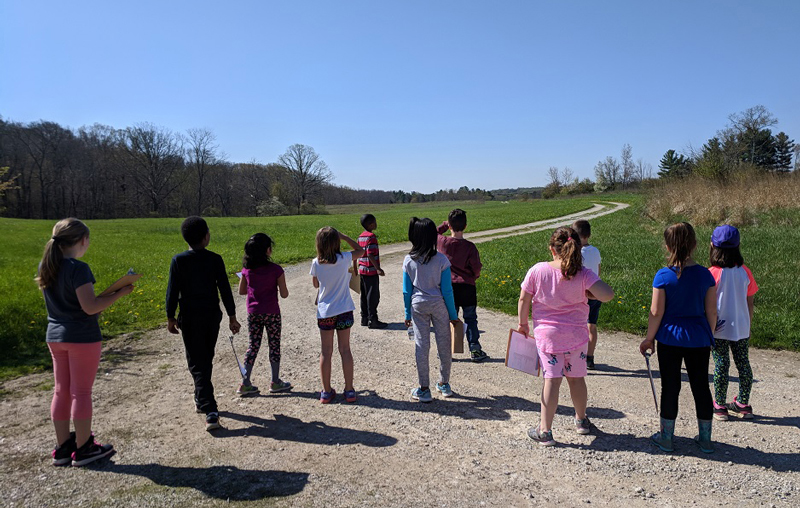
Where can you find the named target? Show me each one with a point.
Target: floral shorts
(341, 322)
(570, 364)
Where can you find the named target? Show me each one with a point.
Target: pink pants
(74, 370)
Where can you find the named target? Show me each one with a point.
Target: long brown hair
(681, 242)
(66, 233)
(567, 244)
(328, 245)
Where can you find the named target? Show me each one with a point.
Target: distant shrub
(212, 211)
(312, 209)
(272, 208)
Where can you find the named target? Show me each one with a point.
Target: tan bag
(355, 280)
(457, 336)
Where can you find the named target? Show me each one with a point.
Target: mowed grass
(147, 245)
(631, 246)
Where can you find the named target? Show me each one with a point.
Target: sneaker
(478, 355)
(584, 426)
(280, 386)
(212, 421)
(62, 455)
(364, 322)
(247, 391)
(327, 397)
(543, 438)
(745, 412)
(720, 412)
(350, 396)
(444, 389)
(590, 363)
(377, 325)
(422, 395)
(90, 452)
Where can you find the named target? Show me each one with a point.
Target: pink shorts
(570, 364)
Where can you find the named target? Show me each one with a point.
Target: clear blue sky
(414, 95)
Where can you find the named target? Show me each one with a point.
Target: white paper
(522, 353)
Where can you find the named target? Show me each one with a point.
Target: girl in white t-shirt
(736, 291)
(334, 307)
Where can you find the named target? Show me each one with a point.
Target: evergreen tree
(783, 152)
(673, 164)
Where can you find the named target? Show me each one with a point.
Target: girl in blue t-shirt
(73, 337)
(683, 313)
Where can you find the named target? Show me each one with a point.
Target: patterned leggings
(256, 324)
(722, 363)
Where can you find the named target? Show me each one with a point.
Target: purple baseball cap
(725, 237)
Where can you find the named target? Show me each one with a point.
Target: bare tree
(644, 170)
(154, 160)
(627, 166)
(307, 170)
(201, 154)
(43, 141)
(567, 176)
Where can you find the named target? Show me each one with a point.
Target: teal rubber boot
(663, 438)
(703, 439)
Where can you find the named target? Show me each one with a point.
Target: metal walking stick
(242, 370)
(649, 374)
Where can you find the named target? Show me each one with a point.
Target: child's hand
(381, 272)
(455, 321)
(523, 328)
(647, 344)
(234, 325)
(172, 325)
(125, 290)
(407, 323)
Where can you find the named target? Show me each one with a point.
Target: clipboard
(126, 280)
(355, 280)
(457, 336)
(522, 353)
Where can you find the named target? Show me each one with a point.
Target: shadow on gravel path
(219, 482)
(287, 428)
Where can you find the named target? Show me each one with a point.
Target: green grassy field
(632, 252)
(148, 244)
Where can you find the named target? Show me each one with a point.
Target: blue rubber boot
(703, 439)
(663, 438)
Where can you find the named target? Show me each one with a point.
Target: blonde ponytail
(66, 233)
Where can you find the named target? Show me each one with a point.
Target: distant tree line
(50, 171)
(745, 144)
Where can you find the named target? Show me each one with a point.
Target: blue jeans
(471, 320)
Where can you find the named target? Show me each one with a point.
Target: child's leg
(473, 334)
(696, 360)
(549, 402)
(364, 301)
(422, 341)
(326, 337)
(255, 327)
(62, 401)
(592, 338)
(579, 394)
(741, 357)
(200, 334)
(343, 337)
(594, 314)
(722, 364)
(272, 324)
(83, 362)
(441, 327)
(669, 366)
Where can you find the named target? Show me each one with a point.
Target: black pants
(200, 331)
(370, 297)
(669, 364)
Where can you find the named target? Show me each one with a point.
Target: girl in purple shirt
(554, 293)
(261, 281)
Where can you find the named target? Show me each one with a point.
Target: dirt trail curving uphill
(469, 450)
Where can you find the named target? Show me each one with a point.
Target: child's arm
(475, 263)
(243, 285)
(172, 297)
(92, 304)
(357, 250)
(711, 307)
(282, 286)
(751, 301)
(375, 263)
(315, 281)
(225, 293)
(408, 289)
(523, 311)
(657, 305)
(447, 294)
(601, 291)
(443, 227)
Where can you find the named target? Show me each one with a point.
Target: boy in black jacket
(197, 279)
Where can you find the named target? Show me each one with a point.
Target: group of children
(691, 307)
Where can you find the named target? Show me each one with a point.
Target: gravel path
(469, 450)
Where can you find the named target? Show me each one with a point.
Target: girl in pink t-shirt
(554, 293)
(261, 281)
